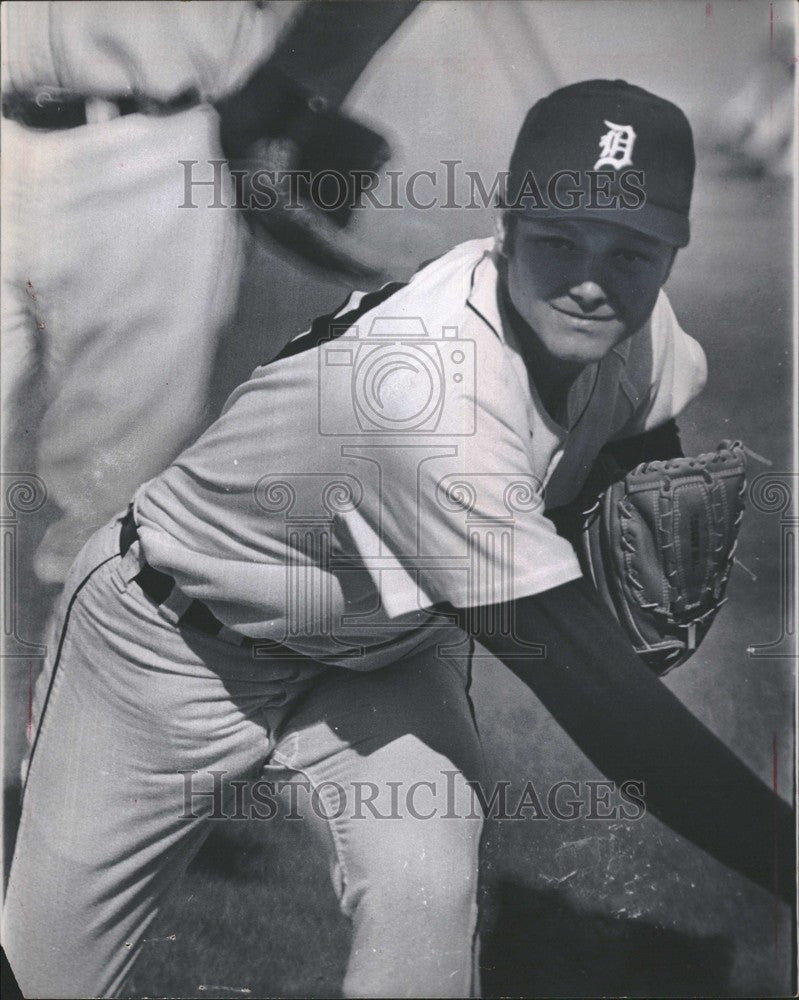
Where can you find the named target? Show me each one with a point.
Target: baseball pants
(127, 702)
(114, 296)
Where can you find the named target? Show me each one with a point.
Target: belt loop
(132, 560)
(128, 567)
(127, 531)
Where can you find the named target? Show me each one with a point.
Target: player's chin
(585, 346)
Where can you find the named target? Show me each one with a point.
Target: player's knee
(431, 868)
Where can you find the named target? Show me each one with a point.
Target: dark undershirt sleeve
(328, 45)
(631, 726)
(321, 55)
(659, 444)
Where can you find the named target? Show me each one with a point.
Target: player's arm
(631, 726)
(317, 59)
(329, 45)
(286, 121)
(659, 444)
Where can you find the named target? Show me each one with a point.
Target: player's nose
(588, 294)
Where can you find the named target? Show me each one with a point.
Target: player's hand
(300, 167)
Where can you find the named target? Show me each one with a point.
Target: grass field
(579, 908)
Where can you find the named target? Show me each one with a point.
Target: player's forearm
(321, 55)
(310, 52)
(658, 444)
(631, 726)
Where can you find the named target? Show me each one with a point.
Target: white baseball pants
(127, 702)
(114, 297)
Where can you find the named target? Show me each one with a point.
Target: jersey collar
(483, 301)
(482, 297)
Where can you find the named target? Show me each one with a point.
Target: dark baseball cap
(613, 127)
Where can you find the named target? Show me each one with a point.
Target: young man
(300, 589)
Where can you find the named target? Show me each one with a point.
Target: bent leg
(106, 828)
(387, 756)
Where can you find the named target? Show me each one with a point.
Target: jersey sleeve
(458, 518)
(677, 372)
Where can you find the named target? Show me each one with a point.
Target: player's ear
(502, 233)
(671, 264)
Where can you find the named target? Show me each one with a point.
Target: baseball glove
(300, 163)
(301, 167)
(658, 543)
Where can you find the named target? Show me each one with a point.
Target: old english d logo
(616, 147)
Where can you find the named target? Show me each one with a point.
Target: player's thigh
(386, 763)
(127, 713)
(134, 290)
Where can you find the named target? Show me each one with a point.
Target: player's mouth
(589, 317)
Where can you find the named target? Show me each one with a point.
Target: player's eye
(627, 255)
(555, 242)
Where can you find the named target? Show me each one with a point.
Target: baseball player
(299, 592)
(113, 294)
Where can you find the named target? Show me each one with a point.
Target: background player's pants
(115, 296)
(127, 702)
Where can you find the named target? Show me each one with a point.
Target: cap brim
(651, 220)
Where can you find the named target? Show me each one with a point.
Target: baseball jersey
(160, 50)
(395, 458)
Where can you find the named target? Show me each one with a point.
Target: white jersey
(159, 50)
(395, 458)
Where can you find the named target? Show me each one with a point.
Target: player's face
(584, 286)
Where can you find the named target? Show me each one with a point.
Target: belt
(158, 586)
(58, 109)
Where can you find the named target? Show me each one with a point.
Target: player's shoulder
(435, 296)
(663, 322)
(663, 347)
(408, 364)
(466, 254)
(441, 285)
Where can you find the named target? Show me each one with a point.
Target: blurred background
(585, 907)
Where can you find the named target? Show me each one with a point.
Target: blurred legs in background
(122, 317)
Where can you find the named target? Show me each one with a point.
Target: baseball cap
(616, 128)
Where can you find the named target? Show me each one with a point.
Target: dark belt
(158, 586)
(56, 109)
